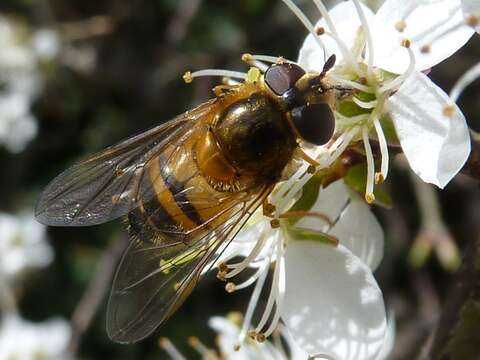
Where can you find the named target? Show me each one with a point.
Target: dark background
(120, 72)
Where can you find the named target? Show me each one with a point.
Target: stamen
(252, 304)
(345, 120)
(254, 277)
(244, 264)
(290, 189)
(280, 294)
(196, 344)
(380, 177)
(170, 349)
(365, 105)
(274, 289)
(368, 34)
(248, 58)
(399, 80)
(369, 197)
(189, 76)
(352, 84)
(271, 59)
(301, 16)
(465, 80)
(334, 34)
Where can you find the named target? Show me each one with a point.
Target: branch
(94, 294)
(458, 332)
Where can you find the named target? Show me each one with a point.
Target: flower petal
(346, 21)
(434, 26)
(357, 228)
(472, 8)
(332, 303)
(431, 129)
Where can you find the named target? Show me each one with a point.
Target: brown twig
(96, 290)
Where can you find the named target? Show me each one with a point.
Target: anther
(379, 178)
(268, 209)
(275, 223)
(221, 275)
(425, 49)
(236, 347)
(260, 338)
(311, 169)
(193, 341)
(247, 57)
(320, 30)
(223, 267)
(252, 334)
(449, 111)
(401, 26)
(230, 287)
(407, 43)
(472, 20)
(370, 198)
(187, 77)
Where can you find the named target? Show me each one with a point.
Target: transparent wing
(109, 184)
(153, 279)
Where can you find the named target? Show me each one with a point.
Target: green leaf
(349, 109)
(356, 179)
(309, 196)
(312, 235)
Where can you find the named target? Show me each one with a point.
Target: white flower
(24, 340)
(431, 130)
(324, 292)
(23, 244)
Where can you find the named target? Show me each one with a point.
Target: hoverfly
(187, 187)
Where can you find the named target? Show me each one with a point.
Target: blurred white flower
(17, 124)
(24, 340)
(21, 80)
(371, 49)
(23, 244)
(46, 44)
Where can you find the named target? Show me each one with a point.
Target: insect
(187, 187)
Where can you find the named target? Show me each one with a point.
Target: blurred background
(77, 76)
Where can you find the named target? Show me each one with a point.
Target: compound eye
(315, 123)
(282, 77)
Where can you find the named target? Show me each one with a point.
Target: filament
(334, 34)
(352, 84)
(274, 287)
(365, 105)
(369, 197)
(383, 148)
(399, 80)
(465, 80)
(368, 33)
(171, 350)
(252, 304)
(189, 76)
(253, 254)
(308, 25)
